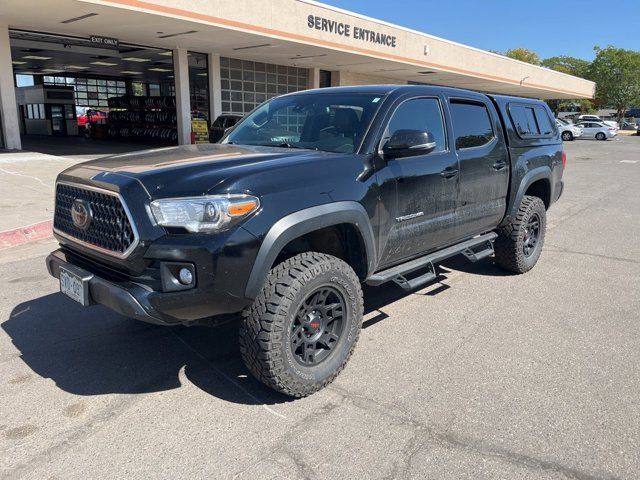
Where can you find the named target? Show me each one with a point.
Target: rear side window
(471, 124)
(531, 121)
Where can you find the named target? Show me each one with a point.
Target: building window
(246, 84)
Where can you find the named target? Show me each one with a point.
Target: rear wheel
(600, 136)
(301, 330)
(567, 136)
(519, 244)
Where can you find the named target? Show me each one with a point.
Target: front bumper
(222, 265)
(125, 299)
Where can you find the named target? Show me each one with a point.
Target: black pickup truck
(305, 199)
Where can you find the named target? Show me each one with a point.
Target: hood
(191, 169)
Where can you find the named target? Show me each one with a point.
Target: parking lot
(481, 375)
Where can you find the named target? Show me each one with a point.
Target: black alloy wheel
(531, 235)
(318, 326)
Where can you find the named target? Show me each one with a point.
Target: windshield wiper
(285, 145)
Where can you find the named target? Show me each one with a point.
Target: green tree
(616, 72)
(524, 55)
(570, 65)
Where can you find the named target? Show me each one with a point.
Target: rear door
(484, 165)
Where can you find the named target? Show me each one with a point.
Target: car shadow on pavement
(94, 351)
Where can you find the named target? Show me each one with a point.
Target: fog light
(185, 276)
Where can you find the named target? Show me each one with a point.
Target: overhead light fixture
(168, 53)
(81, 17)
(136, 59)
(18, 63)
(76, 67)
(201, 74)
(171, 35)
(129, 72)
(51, 70)
(353, 64)
(36, 57)
(160, 70)
(308, 56)
(104, 64)
(252, 46)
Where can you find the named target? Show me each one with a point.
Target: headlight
(203, 214)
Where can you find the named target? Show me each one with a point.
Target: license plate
(74, 286)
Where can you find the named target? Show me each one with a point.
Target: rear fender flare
(540, 173)
(305, 221)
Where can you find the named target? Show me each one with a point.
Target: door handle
(449, 172)
(499, 166)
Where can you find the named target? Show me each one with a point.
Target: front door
(426, 185)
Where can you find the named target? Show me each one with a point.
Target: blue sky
(549, 27)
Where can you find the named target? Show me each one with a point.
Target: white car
(597, 130)
(595, 118)
(568, 131)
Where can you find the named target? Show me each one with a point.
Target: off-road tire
(509, 246)
(266, 326)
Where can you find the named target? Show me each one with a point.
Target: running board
(397, 273)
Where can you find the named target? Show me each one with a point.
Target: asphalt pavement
(482, 375)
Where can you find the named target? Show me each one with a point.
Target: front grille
(109, 229)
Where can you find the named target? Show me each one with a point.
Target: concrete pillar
(335, 78)
(314, 78)
(183, 98)
(215, 87)
(8, 108)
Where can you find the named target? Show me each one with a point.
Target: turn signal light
(244, 208)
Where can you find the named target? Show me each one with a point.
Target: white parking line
(628, 161)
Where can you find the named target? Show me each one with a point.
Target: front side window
(471, 124)
(422, 114)
(328, 122)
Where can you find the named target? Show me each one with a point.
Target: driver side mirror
(409, 143)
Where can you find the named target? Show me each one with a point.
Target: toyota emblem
(81, 213)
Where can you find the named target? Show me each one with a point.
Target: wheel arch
(304, 222)
(536, 182)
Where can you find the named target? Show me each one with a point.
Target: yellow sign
(200, 131)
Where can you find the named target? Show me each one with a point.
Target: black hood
(191, 169)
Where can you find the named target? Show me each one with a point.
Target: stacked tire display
(145, 118)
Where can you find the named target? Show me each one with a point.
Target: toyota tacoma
(305, 199)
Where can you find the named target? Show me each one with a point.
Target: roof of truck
(387, 89)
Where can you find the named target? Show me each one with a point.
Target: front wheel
(519, 244)
(601, 136)
(302, 328)
(567, 136)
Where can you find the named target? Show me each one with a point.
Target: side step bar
(467, 248)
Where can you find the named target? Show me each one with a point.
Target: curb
(22, 235)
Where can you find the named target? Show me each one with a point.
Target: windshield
(332, 122)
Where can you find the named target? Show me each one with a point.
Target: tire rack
(143, 117)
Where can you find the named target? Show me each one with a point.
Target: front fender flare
(304, 221)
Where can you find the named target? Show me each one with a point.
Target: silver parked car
(596, 130)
